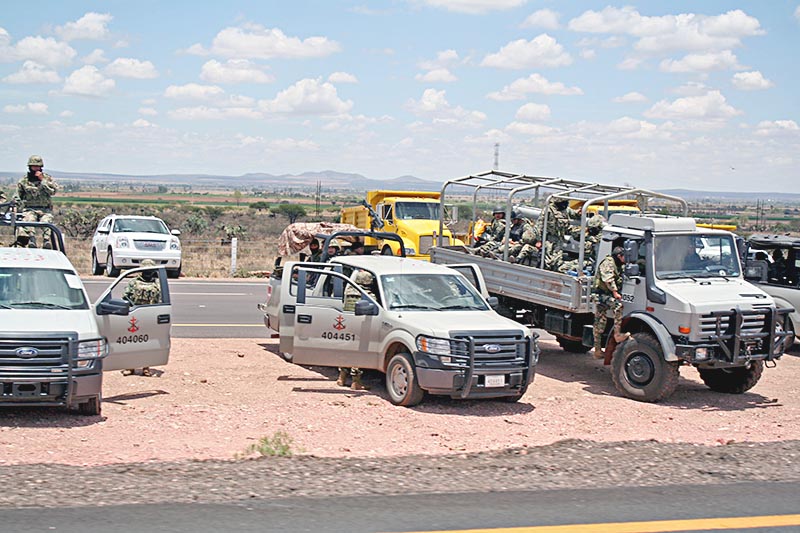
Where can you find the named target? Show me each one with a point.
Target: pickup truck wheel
(401, 381)
(732, 380)
(96, 268)
(569, 345)
(92, 407)
(111, 271)
(386, 251)
(174, 274)
(640, 372)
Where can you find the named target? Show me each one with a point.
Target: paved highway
(209, 308)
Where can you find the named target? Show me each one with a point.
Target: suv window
(128, 225)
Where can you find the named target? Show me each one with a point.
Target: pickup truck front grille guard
(56, 364)
(463, 352)
(731, 336)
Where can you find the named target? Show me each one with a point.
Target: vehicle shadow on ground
(122, 399)
(595, 378)
(45, 417)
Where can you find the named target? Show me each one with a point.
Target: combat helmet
(364, 278)
(35, 161)
(597, 222)
(149, 275)
(499, 209)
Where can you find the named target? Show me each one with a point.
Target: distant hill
(696, 196)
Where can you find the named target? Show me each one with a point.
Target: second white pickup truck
(429, 328)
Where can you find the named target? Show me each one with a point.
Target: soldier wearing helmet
(144, 289)
(494, 234)
(519, 236)
(34, 192)
(352, 295)
(594, 233)
(606, 297)
(550, 238)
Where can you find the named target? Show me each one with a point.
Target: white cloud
(632, 97)
(588, 53)
(533, 113)
(126, 67)
(254, 41)
(45, 51)
(32, 72)
(66, 114)
(687, 31)
(95, 56)
(444, 58)
(36, 108)
(435, 106)
(214, 113)
(88, 81)
(751, 81)
(439, 75)
(542, 51)
(711, 106)
(194, 91)
(724, 60)
(632, 128)
(307, 96)
(535, 83)
(149, 111)
(474, 7)
(234, 71)
(342, 77)
(797, 13)
(90, 26)
(768, 128)
(691, 88)
(527, 128)
(629, 63)
(544, 18)
(142, 123)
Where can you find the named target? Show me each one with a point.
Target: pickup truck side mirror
(365, 308)
(493, 302)
(114, 307)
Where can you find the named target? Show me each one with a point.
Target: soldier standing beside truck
(34, 192)
(606, 296)
(351, 296)
(144, 289)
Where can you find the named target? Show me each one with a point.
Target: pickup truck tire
(111, 270)
(96, 268)
(92, 407)
(401, 381)
(569, 345)
(174, 273)
(640, 371)
(732, 380)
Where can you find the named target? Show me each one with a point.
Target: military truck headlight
(93, 349)
(122, 242)
(701, 354)
(433, 346)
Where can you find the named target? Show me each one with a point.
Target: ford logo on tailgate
(27, 352)
(492, 348)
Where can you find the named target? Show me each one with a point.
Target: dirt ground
(218, 396)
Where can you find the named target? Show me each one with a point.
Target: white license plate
(495, 381)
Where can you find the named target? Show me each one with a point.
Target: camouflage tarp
(298, 235)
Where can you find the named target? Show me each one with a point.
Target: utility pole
(317, 199)
(496, 156)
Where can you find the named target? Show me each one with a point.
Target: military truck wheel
(640, 372)
(401, 381)
(92, 407)
(386, 251)
(111, 270)
(570, 345)
(96, 268)
(732, 380)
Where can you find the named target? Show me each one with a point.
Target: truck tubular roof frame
(8, 219)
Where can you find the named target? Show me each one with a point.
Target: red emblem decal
(134, 328)
(339, 325)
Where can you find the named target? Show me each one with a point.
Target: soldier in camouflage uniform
(493, 235)
(558, 225)
(605, 295)
(520, 229)
(351, 296)
(594, 233)
(144, 289)
(34, 192)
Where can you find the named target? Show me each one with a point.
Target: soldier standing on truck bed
(606, 296)
(352, 295)
(520, 229)
(493, 235)
(594, 234)
(34, 192)
(558, 225)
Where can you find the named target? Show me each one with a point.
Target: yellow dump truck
(413, 215)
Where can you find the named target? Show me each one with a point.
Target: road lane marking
(656, 526)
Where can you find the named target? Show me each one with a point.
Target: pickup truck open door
(138, 336)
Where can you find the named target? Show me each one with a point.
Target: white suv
(124, 241)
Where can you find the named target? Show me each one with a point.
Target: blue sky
(701, 95)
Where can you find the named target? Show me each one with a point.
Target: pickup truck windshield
(40, 288)
(416, 211)
(695, 256)
(430, 292)
(127, 225)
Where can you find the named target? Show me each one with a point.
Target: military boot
(358, 384)
(342, 377)
(598, 353)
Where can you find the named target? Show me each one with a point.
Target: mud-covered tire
(640, 371)
(573, 346)
(111, 270)
(401, 381)
(97, 270)
(91, 407)
(732, 380)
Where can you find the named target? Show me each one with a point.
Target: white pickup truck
(429, 328)
(54, 344)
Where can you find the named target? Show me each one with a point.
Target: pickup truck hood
(30, 321)
(716, 292)
(441, 323)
